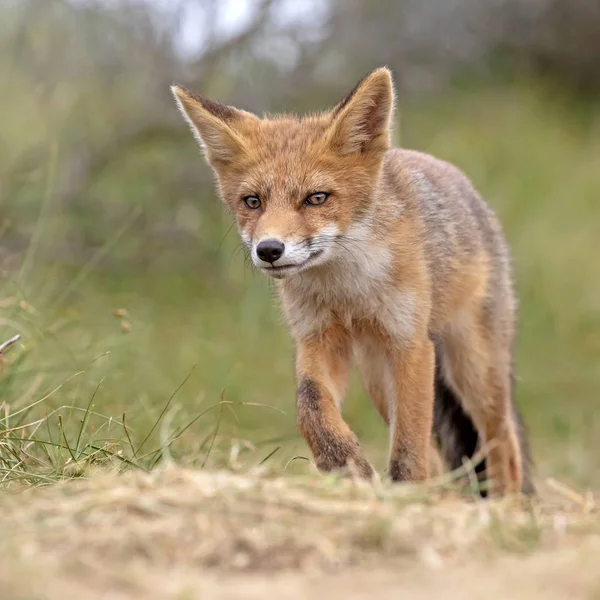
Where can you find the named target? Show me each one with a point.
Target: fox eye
(317, 198)
(252, 202)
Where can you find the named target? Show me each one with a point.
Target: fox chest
(312, 306)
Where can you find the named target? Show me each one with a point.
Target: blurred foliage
(106, 203)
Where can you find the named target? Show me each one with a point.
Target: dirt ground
(185, 534)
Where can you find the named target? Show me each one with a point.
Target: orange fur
(385, 253)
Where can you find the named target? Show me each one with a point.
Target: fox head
(296, 185)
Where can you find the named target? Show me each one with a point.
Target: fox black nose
(270, 250)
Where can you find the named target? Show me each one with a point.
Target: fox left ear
(361, 122)
(217, 127)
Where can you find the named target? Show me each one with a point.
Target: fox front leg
(411, 415)
(322, 373)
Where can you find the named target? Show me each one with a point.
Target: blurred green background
(106, 205)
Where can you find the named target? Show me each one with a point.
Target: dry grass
(179, 533)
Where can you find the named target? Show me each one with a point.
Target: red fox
(386, 255)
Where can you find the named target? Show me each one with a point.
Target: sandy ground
(185, 534)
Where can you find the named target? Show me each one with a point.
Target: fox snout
(284, 257)
(278, 258)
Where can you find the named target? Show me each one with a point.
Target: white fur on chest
(356, 286)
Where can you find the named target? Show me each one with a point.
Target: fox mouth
(281, 271)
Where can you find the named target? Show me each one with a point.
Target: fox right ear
(361, 121)
(214, 125)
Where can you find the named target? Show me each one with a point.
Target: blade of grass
(268, 456)
(64, 435)
(199, 416)
(21, 427)
(86, 416)
(123, 459)
(127, 435)
(8, 343)
(214, 437)
(294, 458)
(48, 395)
(28, 476)
(164, 410)
(185, 428)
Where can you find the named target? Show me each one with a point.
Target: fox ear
(361, 121)
(215, 126)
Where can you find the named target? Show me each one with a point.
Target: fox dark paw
(352, 466)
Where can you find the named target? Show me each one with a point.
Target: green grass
(204, 375)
